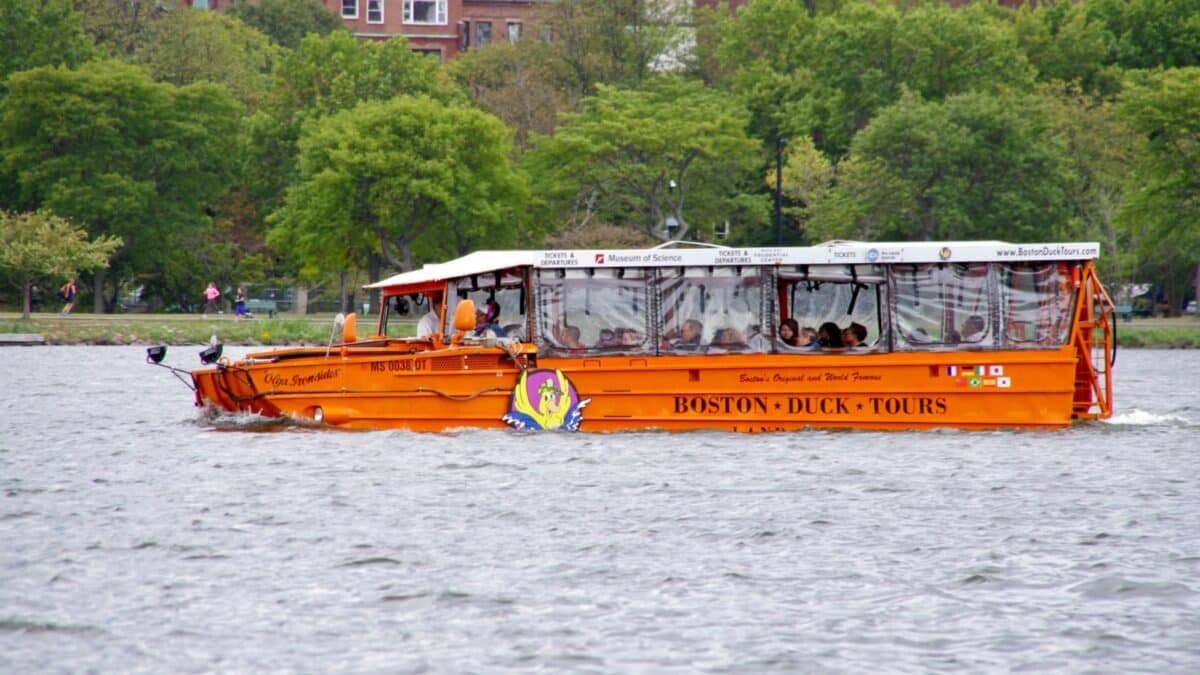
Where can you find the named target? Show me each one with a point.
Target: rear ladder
(1095, 341)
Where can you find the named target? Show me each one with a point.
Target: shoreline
(178, 329)
(284, 330)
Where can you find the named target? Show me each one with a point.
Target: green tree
(286, 22)
(1161, 216)
(807, 176)
(523, 84)
(837, 70)
(36, 248)
(189, 45)
(1150, 33)
(40, 33)
(120, 27)
(111, 150)
(616, 42)
(1065, 43)
(395, 180)
(974, 166)
(674, 153)
(1103, 149)
(327, 74)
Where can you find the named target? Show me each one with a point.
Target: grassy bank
(177, 329)
(1159, 337)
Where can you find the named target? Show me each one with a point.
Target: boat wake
(220, 420)
(1141, 418)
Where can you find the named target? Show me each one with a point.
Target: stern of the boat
(1095, 341)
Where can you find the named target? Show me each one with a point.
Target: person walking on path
(239, 305)
(210, 296)
(68, 293)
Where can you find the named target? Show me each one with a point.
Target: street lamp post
(779, 143)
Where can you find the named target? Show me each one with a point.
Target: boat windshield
(504, 291)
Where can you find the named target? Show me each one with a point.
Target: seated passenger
(829, 336)
(973, 328)
(854, 335)
(807, 337)
(429, 325)
(485, 320)
(568, 337)
(789, 332)
(727, 339)
(629, 338)
(607, 339)
(689, 335)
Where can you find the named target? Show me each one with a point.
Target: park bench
(256, 306)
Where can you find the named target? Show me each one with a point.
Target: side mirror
(464, 315)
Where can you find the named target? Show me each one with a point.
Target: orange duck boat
(841, 335)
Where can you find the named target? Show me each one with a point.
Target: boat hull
(447, 389)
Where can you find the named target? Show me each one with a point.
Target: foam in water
(1141, 418)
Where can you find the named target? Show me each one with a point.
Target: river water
(136, 536)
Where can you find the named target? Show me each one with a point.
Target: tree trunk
(98, 291)
(26, 300)
(343, 301)
(300, 300)
(374, 269)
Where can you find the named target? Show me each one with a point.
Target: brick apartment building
(440, 27)
(443, 28)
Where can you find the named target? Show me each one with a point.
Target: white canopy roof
(676, 255)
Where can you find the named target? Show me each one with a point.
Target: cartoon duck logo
(545, 399)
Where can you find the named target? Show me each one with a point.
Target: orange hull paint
(380, 386)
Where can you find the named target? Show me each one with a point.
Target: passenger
(807, 337)
(485, 320)
(727, 339)
(569, 338)
(428, 325)
(854, 335)
(829, 336)
(789, 332)
(607, 340)
(690, 334)
(629, 337)
(973, 328)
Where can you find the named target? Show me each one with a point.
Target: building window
(349, 9)
(514, 32)
(483, 33)
(465, 37)
(425, 12)
(199, 4)
(374, 11)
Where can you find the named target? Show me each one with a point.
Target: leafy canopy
(975, 166)
(672, 150)
(286, 22)
(40, 247)
(106, 147)
(390, 178)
